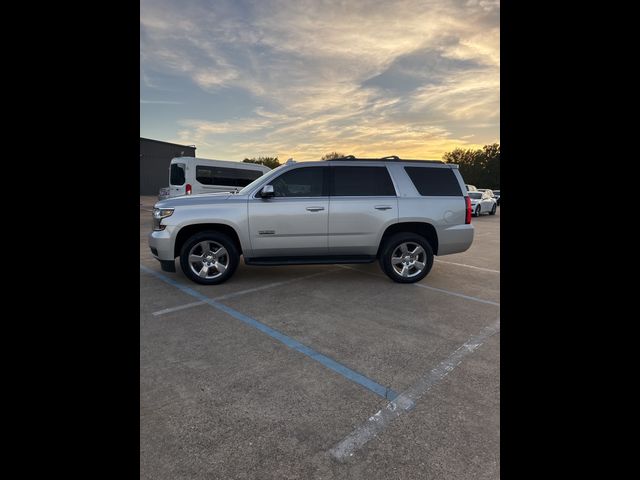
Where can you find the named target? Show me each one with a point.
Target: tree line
(273, 162)
(478, 167)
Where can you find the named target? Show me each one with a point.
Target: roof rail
(390, 158)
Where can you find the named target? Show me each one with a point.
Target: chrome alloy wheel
(208, 259)
(408, 259)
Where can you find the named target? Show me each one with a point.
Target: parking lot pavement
(148, 201)
(227, 389)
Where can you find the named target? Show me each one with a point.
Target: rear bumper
(455, 239)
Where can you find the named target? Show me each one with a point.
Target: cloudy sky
(301, 78)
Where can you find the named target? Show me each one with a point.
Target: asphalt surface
(220, 398)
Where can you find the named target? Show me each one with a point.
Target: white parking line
(441, 290)
(456, 294)
(469, 266)
(406, 401)
(271, 285)
(243, 292)
(175, 309)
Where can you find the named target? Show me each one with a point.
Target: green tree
(271, 162)
(478, 167)
(332, 155)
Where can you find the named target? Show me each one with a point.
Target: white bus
(191, 175)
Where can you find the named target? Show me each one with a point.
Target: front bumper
(161, 244)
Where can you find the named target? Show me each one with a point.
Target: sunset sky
(303, 78)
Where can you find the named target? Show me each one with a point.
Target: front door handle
(315, 209)
(383, 207)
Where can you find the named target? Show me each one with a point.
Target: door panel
(288, 226)
(487, 204)
(362, 204)
(177, 179)
(355, 223)
(295, 221)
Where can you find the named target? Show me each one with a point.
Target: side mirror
(267, 191)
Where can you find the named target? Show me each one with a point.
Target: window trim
(393, 182)
(184, 174)
(325, 184)
(462, 192)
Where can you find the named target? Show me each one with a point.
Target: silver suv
(345, 210)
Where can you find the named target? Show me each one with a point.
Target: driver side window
(302, 182)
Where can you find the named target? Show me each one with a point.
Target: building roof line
(168, 143)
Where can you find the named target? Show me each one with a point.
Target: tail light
(188, 189)
(467, 219)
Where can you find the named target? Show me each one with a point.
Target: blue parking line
(346, 372)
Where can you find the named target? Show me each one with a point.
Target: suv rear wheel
(406, 257)
(209, 258)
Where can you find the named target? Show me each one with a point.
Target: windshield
(475, 195)
(267, 175)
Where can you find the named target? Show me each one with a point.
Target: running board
(314, 260)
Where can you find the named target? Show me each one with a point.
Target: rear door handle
(383, 207)
(315, 209)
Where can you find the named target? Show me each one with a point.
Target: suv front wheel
(406, 257)
(209, 258)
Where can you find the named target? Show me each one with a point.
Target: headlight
(158, 215)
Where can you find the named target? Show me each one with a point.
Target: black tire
(493, 210)
(393, 243)
(232, 257)
(476, 212)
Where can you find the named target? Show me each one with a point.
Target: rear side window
(301, 182)
(438, 182)
(176, 176)
(361, 182)
(232, 177)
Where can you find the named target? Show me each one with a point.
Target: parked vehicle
(191, 175)
(164, 193)
(344, 210)
(471, 188)
(482, 202)
(492, 193)
(486, 190)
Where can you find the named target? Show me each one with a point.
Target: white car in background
(191, 175)
(482, 202)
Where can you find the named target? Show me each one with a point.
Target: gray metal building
(155, 156)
